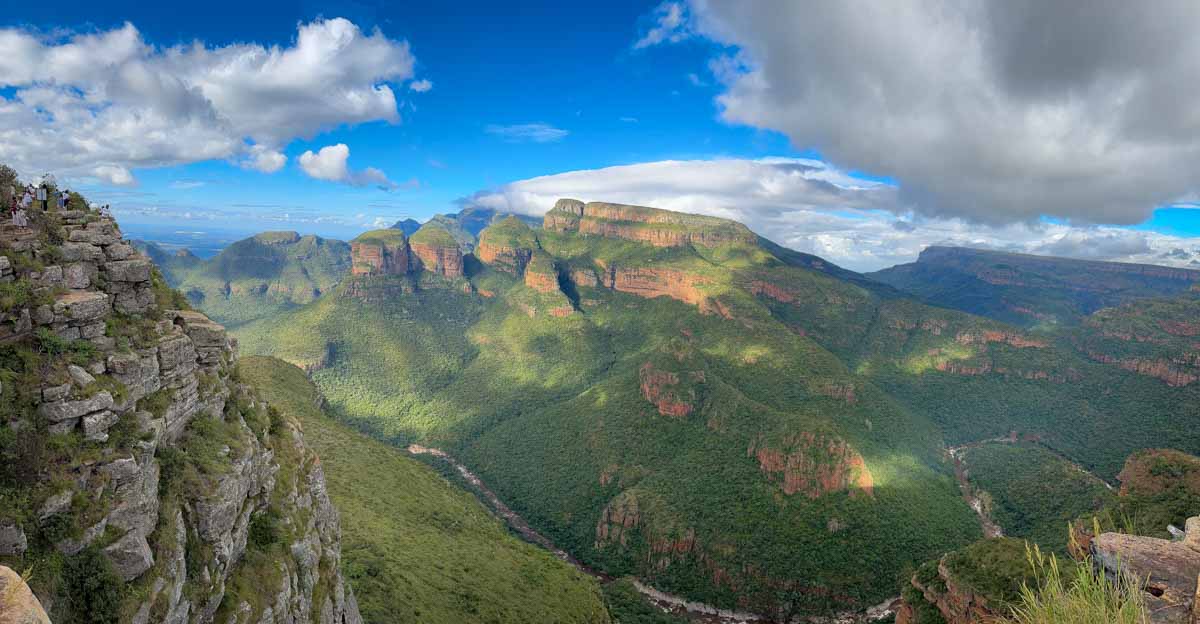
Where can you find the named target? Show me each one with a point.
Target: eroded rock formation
(182, 460)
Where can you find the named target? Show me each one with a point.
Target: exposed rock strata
(165, 521)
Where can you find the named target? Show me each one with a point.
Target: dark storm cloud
(992, 111)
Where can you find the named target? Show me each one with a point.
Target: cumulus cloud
(420, 86)
(105, 103)
(530, 132)
(670, 25)
(330, 163)
(991, 111)
(812, 207)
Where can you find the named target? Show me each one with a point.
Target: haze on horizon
(1048, 128)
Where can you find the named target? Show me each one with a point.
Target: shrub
(264, 530)
(93, 589)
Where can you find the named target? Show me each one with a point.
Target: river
(697, 612)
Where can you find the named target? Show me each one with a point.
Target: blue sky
(561, 64)
(704, 107)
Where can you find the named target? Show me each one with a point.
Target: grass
(414, 547)
(1076, 596)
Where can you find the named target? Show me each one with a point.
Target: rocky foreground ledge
(139, 476)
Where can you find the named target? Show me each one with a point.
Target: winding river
(694, 611)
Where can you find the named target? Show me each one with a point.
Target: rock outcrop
(380, 252)
(18, 605)
(166, 471)
(1166, 570)
(436, 251)
(390, 252)
(507, 245)
(813, 465)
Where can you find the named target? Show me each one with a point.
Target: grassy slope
(416, 548)
(1035, 494)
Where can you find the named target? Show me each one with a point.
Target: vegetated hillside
(141, 478)
(1029, 290)
(415, 547)
(666, 397)
(258, 276)
(1032, 493)
(729, 458)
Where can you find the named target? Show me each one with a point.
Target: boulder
(69, 410)
(81, 377)
(12, 538)
(136, 270)
(130, 555)
(76, 276)
(95, 426)
(18, 605)
(59, 503)
(83, 306)
(1166, 570)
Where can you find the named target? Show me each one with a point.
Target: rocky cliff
(657, 227)
(141, 481)
(390, 252)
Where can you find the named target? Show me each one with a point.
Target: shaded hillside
(1030, 290)
(416, 547)
(258, 276)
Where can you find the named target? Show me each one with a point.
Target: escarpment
(655, 226)
(162, 486)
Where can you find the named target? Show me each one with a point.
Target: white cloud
(420, 86)
(113, 174)
(329, 163)
(992, 111)
(670, 26)
(530, 132)
(103, 104)
(809, 206)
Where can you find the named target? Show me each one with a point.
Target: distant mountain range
(1028, 290)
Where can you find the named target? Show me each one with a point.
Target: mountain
(1029, 290)
(415, 547)
(672, 397)
(142, 479)
(466, 224)
(408, 226)
(257, 276)
(616, 379)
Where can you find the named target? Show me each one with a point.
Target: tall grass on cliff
(1081, 597)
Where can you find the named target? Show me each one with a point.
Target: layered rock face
(389, 252)
(379, 255)
(661, 228)
(167, 475)
(446, 261)
(507, 246)
(1166, 570)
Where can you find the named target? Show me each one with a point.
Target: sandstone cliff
(141, 480)
(660, 228)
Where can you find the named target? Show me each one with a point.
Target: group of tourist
(20, 204)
